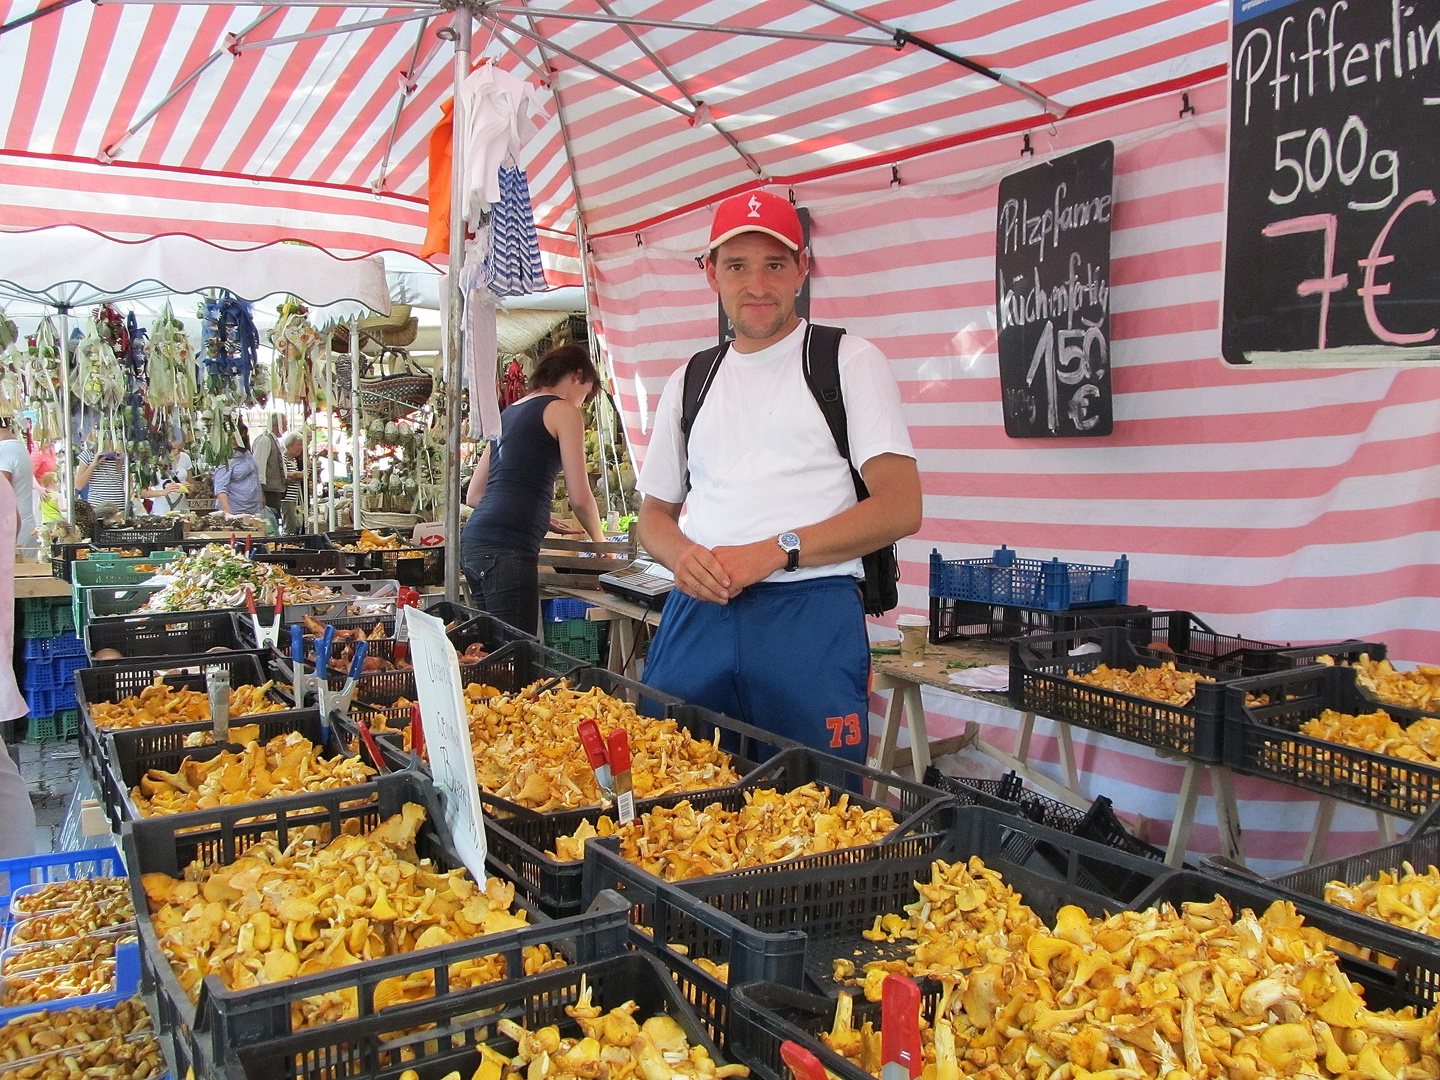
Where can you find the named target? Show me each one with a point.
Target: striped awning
(311, 122)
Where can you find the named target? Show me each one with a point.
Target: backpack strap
(822, 375)
(699, 375)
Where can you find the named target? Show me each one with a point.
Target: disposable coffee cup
(914, 629)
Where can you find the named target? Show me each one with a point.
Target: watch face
(789, 540)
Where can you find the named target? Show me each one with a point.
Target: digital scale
(645, 583)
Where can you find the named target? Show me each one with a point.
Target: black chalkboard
(1052, 295)
(1332, 248)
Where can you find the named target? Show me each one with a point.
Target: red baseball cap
(757, 211)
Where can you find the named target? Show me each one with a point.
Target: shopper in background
(292, 445)
(237, 482)
(767, 624)
(271, 461)
(100, 480)
(171, 495)
(46, 486)
(17, 815)
(514, 485)
(16, 467)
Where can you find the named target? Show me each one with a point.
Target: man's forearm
(660, 535)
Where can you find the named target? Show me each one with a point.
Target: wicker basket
(393, 331)
(402, 391)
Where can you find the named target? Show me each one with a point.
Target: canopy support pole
(330, 432)
(70, 493)
(460, 26)
(356, 456)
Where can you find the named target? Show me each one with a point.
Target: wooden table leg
(885, 753)
(1184, 814)
(1227, 813)
(1320, 831)
(1387, 827)
(1067, 757)
(1022, 742)
(919, 731)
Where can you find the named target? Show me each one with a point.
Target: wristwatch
(790, 544)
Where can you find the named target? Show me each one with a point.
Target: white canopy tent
(37, 267)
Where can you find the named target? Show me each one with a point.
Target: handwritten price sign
(1331, 237)
(1052, 295)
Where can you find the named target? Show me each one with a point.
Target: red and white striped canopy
(231, 123)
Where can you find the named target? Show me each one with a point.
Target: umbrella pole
(355, 453)
(461, 26)
(330, 432)
(70, 493)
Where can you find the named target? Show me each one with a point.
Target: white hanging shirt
(761, 457)
(500, 112)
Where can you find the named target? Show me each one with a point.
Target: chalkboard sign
(1052, 281)
(1333, 233)
(802, 298)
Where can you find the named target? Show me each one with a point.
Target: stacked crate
(52, 652)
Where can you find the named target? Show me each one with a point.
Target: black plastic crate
(203, 1033)
(1039, 683)
(133, 752)
(953, 620)
(520, 670)
(117, 681)
(1264, 739)
(520, 845)
(1419, 975)
(766, 1014)
(133, 537)
(166, 634)
(300, 562)
(457, 1024)
(103, 601)
(411, 565)
(788, 922)
(1415, 981)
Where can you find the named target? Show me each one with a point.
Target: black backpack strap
(699, 375)
(822, 375)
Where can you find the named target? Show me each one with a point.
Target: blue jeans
(505, 583)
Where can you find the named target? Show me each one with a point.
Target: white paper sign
(447, 736)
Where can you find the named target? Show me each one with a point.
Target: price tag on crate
(447, 735)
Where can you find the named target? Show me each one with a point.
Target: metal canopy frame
(504, 17)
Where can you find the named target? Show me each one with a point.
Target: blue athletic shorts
(793, 659)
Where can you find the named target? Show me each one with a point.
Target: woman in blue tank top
(514, 484)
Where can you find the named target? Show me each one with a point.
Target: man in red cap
(767, 623)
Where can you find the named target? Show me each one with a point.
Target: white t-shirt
(762, 460)
(15, 460)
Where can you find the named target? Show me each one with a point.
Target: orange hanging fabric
(437, 234)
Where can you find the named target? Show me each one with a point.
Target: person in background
(514, 485)
(100, 480)
(16, 467)
(46, 486)
(237, 482)
(271, 461)
(171, 495)
(17, 815)
(292, 445)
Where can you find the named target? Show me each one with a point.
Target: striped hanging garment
(512, 263)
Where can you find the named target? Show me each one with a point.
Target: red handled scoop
(804, 1064)
(618, 746)
(900, 1029)
(594, 745)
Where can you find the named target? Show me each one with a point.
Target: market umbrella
(311, 121)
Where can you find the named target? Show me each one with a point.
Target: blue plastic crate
(1029, 583)
(40, 702)
(63, 697)
(56, 866)
(39, 675)
(564, 608)
(65, 668)
(67, 644)
(127, 985)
